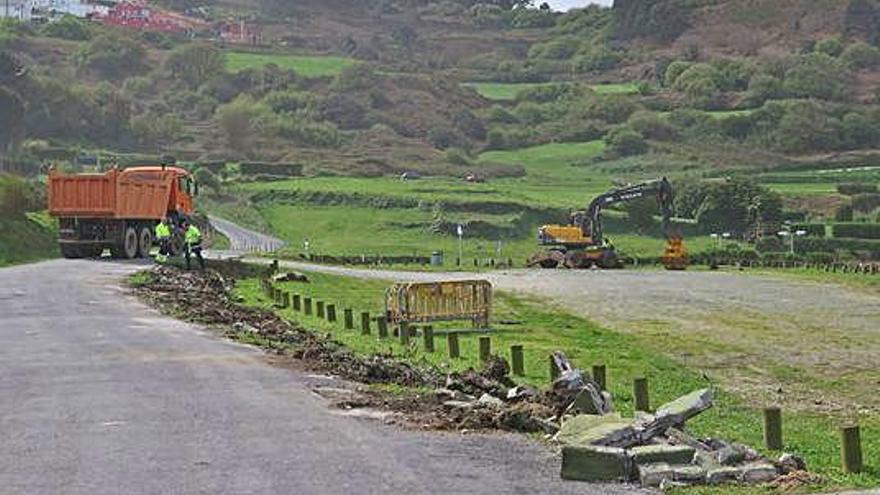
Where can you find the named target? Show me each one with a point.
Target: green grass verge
(26, 239)
(542, 330)
(308, 66)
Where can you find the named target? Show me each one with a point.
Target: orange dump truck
(118, 209)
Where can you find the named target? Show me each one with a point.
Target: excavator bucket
(675, 256)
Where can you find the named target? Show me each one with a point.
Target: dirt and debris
(290, 277)
(470, 400)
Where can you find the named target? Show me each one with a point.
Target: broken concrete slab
(591, 400)
(688, 473)
(730, 455)
(722, 474)
(670, 454)
(758, 473)
(490, 400)
(677, 412)
(459, 404)
(595, 463)
(290, 277)
(606, 430)
(654, 474)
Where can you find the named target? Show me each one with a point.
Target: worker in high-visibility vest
(193, 238)
(163, 237)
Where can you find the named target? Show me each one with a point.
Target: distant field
(508, 91)
(309, 66)
(549, 160)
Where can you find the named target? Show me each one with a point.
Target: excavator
(581, 243)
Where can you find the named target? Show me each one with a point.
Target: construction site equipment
(427, 302)
(581, 243)
(118, 209)
(675, 256)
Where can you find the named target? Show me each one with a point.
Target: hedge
(856, 230)
(851, 189)
(817, 245)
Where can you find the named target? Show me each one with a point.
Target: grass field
(308, 66)
(627, 356)
(508, 91)
(550, 161)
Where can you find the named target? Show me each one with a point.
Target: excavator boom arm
(592, 222)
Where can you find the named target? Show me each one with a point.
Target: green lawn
(308, 66)
(543, 329)
(550, 161)
(508, 91)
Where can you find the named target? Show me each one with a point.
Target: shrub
(355, 77)
(288, 101)
(301, 131)
(624, 141)
(763, 87)
(195, 64)
(806, 127)
(698, 83)
(865, 202)
(844, 213)
(549, 93)
(468, 123)
(732, 75)
(851, 189)
(557, 49)
(457, 156)
(652, 126)
(114, 56)
(817, 75)
(496, 139)
(674, 70)
(443, 137)
(612, 109)
(811, 229)
(501, 115)
(69, 28)
(531, 113)
(597, 59)
(829, 46)
(859, 131)
(344, 111)
(861, 55)
(240, 120)
(152, 129)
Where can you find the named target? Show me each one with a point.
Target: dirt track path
(802, 344)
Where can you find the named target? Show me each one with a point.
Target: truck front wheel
(70, 251)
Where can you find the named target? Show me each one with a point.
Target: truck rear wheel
(145, 242)
(129, 246)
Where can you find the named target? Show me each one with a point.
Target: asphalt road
(100, 394)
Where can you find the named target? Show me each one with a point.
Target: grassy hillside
(26, 239)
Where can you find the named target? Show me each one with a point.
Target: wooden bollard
(452, 345)
(773, 428)
(851, 449)
(516, 359)
(276, 296)
(307, 306)
(640, 392)
(331, 313)
(349, 319)
(382, 326)
(274, 266)
(485, 348)
(297, 302)
(554, 371)
(403, 333)
(365, 322)
(285, 300)
(319, 308)
(599, 376)
(428, 338)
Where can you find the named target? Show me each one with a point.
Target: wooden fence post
(640, 392)
(773, 428)
(349, 319)
(285, 300)
(307, 306)
(297, 302)
(452, 345)
(382, 325)
(319, 309)
(851, 449)
(403, 333)
(331, 313)
(428, 338)
(485, 348)
(516, 358)
(365, 322)
(599, 376)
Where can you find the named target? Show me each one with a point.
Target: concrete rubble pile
(600, 445)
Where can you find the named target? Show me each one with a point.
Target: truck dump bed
(129, 194)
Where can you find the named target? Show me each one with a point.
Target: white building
(31, 10)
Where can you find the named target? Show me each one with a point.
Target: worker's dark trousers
(197, 250)
(165, 247)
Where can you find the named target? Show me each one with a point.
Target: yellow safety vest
(163, 231)
(193, 235)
